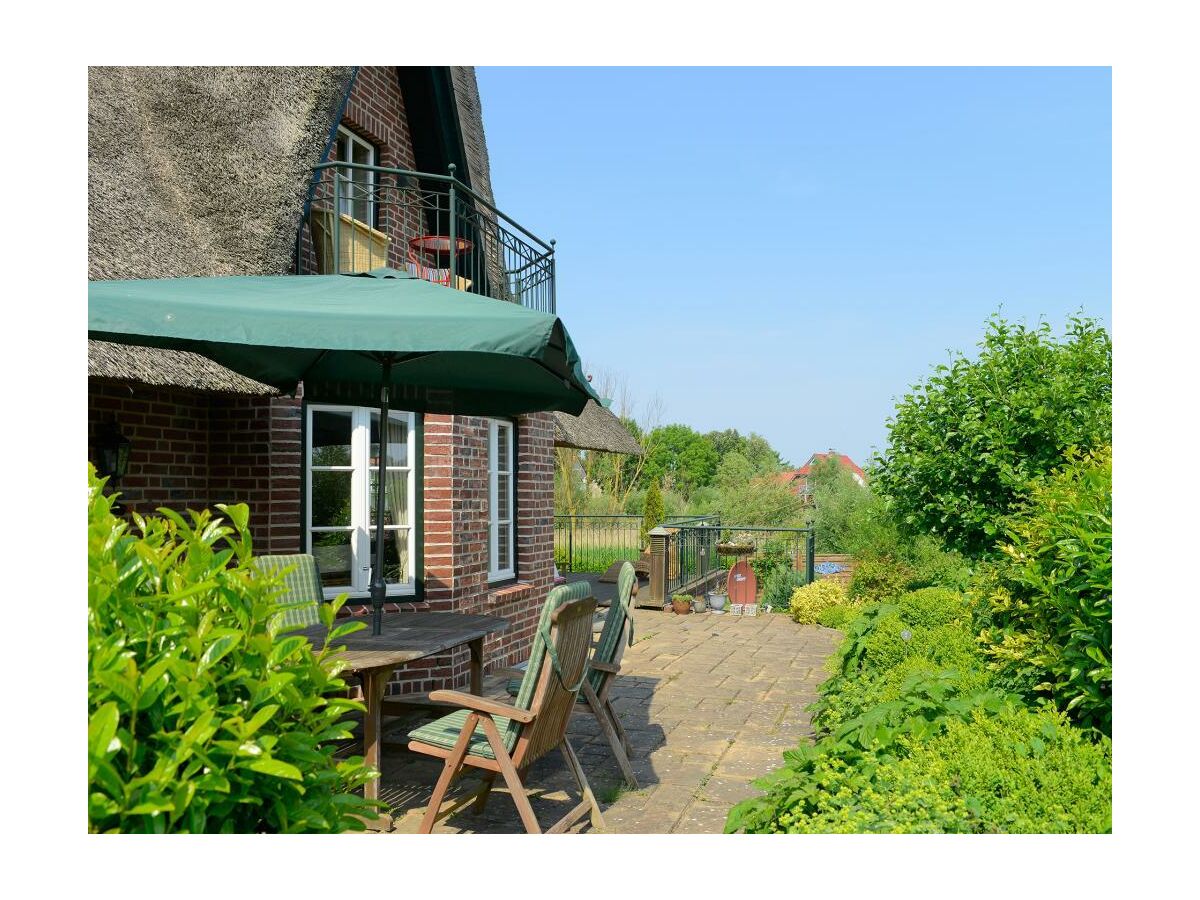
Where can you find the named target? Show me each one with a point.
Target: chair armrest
(482, 704)
(605, 667)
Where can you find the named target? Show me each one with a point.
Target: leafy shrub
(965, 444)
(831, 779)
(1046, 604)
(806, 602)
(837, 616)
(1010, 770)
(771, 555)
(880, 580)
(779, 586)
(927, 633)
(202, 714)
(932, 606)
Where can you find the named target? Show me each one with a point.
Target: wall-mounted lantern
(112, 452)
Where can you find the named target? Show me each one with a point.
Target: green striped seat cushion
(523, 688)
(302, 584)
(444, 733)
(614, 623)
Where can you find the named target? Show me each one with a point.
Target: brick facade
(193, 450)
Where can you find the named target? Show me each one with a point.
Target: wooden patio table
(406, 636)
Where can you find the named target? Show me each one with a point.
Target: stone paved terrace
(709, 703)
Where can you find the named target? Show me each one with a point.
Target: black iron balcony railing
(434, 226)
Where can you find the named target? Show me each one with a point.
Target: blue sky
(787, 250)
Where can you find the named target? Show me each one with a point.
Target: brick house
(797, 479)
(233, 171)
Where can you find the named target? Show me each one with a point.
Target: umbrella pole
(378, 585)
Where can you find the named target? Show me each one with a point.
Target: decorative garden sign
(743, 588)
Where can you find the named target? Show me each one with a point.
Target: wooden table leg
(476, 666)
(374, 684)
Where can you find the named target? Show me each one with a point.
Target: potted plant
(681, 603)
(698, 604)
(717, 600)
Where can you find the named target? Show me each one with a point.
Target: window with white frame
(342, 449)
(500, 500)
(357, 186)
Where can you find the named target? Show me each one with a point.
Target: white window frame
(498, 569)
(361, 500)
(346, 190)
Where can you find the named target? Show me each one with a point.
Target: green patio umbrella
(362, 339)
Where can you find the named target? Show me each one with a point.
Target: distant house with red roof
(797, 479)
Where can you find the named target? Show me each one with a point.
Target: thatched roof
(167, 368)
(199, 171)
(596, 428)
(205, 171)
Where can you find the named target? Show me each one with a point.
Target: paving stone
(709, 704)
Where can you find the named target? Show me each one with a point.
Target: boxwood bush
(808, 601)
(1008, 770)
(917, 737)
(203, 714)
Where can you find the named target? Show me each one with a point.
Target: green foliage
(681, 457)
(932, 606)
(779, 585)
(763, 458)
(1046, 603)
(653, 513)
(916, 740)
(838, 616)
(203, 715)
(965, 444)
(808, 601)
(748, 497)
(880, 579)
(1005, 770)
(840, 507)
(771, 555)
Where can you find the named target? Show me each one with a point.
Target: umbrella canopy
(450, 351)
(385, 337)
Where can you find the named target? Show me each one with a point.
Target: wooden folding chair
(605, 665)
(505, 740)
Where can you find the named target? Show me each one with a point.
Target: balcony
(362, 217)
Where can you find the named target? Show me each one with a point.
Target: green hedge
(917, 737)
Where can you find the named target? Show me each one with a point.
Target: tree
(681, 456)
(654, 514)
(966, 443)
(748, 498)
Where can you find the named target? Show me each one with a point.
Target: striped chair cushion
(302, 584)
(444, 733)
(614, 623)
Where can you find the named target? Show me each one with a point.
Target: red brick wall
(456, 542)
(375, 111)
(191, 451)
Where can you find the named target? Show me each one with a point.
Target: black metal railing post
(810, 553)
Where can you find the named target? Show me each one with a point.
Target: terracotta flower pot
(681, 607)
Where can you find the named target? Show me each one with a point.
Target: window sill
(510, 593)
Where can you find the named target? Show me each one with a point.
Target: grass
(611, 793)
